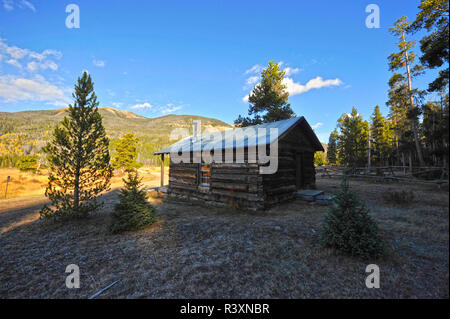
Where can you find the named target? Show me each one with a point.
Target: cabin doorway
(299, 170)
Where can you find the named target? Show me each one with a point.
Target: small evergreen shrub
(27, 163)
(401, 197)
(349, 228)
(133, 212)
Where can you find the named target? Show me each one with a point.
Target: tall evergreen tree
(379, 137)
(269, 99)
(404, 58)
(444, 103)
(353, 139)
(399, 123)
(434, 17)
(332, 148)
(78, 156)
(435, 132)
(126, 153)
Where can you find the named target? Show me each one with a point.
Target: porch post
(162, 170)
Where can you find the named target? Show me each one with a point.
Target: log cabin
(231, 168)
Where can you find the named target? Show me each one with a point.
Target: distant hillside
(153, 132)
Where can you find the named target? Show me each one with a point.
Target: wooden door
(299, 170)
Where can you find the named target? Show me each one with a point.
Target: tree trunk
(76, 187)
(410, 163)
(76, 183)
(403, 163)
(411, 99)
(369, 154)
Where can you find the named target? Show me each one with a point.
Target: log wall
(240, 185)
(282, 185)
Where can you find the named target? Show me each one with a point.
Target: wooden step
(308, 194)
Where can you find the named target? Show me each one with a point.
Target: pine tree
(405, 59)
(332, 148)
(435, 132)
(126, 153)
(399, 124)
(133, 212)
(380, 137)
(444, 103)
(434, 17)
(269, 99)
(399, 118)
(349, 228)
(78, 157)
(353, 139)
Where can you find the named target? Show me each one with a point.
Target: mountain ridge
(112, 110)
(153, 133)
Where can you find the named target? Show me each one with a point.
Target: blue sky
(199, 57)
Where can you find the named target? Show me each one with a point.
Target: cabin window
(205, 174)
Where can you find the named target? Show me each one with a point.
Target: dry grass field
(21, 184)
(24, 184)
(196, 251)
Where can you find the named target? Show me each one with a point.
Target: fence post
(7, 181)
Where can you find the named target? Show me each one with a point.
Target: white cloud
(254, 69)
(29, 5)
(36, 61)
(13, 51)
(143, 106)
(252, 80)
(9, 5)
(34, 66)
(45, 54)
(99, 63)
(290, 71)
(164, 109)
(14, 63)
(14, 89)
(317, 125)
(170, 108)
(296, 88)
(117, 105)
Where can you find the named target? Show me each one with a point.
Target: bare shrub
(399, 197)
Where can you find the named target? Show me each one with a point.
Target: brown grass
(195, 251)
(24, 184)
(21, 184)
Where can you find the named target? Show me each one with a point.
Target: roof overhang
(284, 127)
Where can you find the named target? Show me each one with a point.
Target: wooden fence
(426, 175)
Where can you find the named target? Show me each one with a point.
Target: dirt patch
(195, 251)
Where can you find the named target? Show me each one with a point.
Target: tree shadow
(15, 217)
